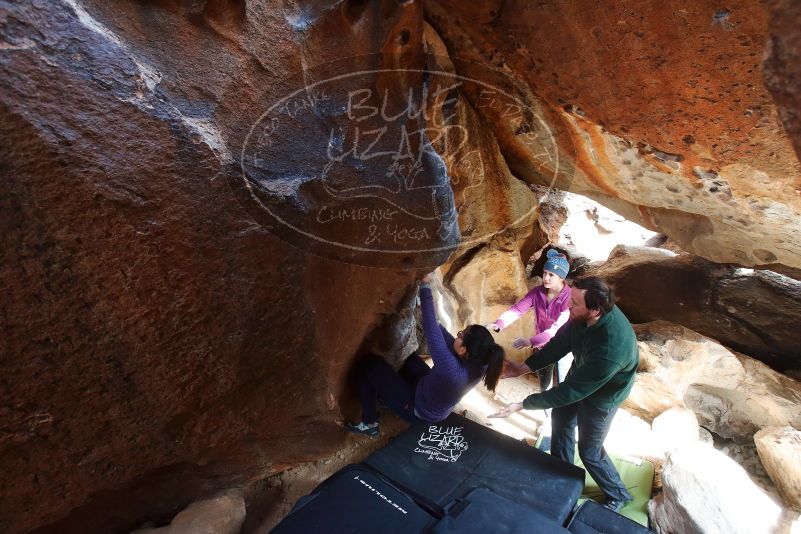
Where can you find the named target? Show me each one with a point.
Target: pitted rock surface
(661, 111)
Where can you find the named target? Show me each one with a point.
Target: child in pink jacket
(550, 302)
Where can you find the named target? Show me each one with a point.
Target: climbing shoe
(363, 428)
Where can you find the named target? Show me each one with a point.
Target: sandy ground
(480, 403)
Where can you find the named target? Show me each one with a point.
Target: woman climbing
(550, 301)
(420, 393)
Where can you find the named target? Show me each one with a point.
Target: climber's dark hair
(599, 295)
(482, 349)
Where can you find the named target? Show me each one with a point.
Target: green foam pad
(637, 475)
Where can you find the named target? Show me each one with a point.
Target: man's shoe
(615, 504)
(363, 428)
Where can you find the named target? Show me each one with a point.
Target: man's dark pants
(593, 425)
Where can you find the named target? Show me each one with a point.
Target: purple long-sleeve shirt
(451, 377)
(548, 316)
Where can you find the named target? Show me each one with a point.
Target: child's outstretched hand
(521, 343)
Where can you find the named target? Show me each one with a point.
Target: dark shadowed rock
(782, 65)
(220, 514)
(159, 343)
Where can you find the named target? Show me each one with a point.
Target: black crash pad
(352, 500)
(439, 463)
(592, 518)
(482, 511)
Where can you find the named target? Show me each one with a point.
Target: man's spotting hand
(508, 410)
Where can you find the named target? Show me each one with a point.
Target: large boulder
(754, 312)
(732, 395)
(705, 491)
(782, 66)
(780, 451)
(220, 514)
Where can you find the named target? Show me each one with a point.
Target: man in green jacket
(605, 355)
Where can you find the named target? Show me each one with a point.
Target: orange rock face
(666, 115)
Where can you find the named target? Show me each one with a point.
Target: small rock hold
(721, 17)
